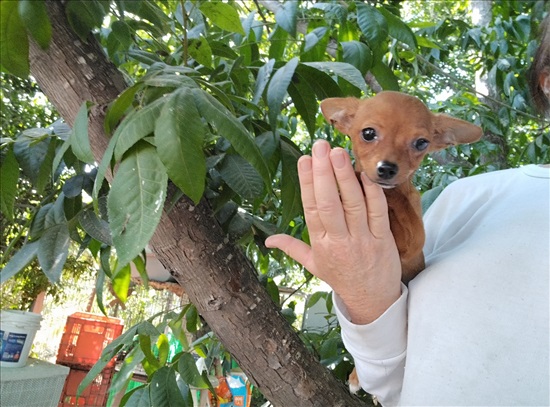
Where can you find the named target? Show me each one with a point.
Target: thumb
(292, 247)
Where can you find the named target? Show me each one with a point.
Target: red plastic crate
(84, 338)
(95, 395)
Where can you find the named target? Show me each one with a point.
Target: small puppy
(390, 134)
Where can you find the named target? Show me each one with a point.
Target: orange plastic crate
(84, 338)
(95, 395)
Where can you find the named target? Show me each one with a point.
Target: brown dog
(390, 134)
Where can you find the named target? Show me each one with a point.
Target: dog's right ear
(340, 112)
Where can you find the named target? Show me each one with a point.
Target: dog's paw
(353, 382)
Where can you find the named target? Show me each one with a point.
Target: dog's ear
(340, 112)
(451, 131)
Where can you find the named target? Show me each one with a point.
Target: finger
(327, 197)
(294, 248)
(307, 191)
(353, 199)
(377, 208)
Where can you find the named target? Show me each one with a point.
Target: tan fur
(398, 120)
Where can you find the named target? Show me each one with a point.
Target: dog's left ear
(340, 112)
(451, 131)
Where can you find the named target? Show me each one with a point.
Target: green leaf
(136, 201)
(121, 282)
(118, 108)
(146, 58)
(264, 74)
(19, 261)
(103, 168)
(59, 156)
(80, 142)
(95, 227)
(277, 44)
(122, 32)
(151, 12)
(357, 54)
(9, 176)
(223, 15)
(34, 16)
(273, 291)
(137, 125)
(179, 393)
(385, 76)
(372, 24)
(398, 29)
(150, 362)
(142, 270)
(233, 130)
(290, 184)
(241, 176)
(163, 347)
(44, 174)
(84, 15)
(343, 70)
(31, 148)
(140, 397)
(122, 378)
(74, 186)
(189, 372)
(99, 284)
(277, 89)
(323, 84)
(303, 96)
(192, 319)
(39, 221)
(313, 37)
(286, 16)
(14, 44)
(179, 136)
(164, 390)
(53, 245)
(200, 51)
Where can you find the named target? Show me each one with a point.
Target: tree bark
(214, 272)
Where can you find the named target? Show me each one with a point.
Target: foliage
(22, 107)
(222, 100)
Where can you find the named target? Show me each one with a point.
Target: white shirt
(473, 328)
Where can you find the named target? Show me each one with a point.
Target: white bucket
(17, 330)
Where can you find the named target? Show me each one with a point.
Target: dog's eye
(421, 144)
(368, 134)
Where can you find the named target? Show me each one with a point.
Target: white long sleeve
(477, 318)
(379, 361)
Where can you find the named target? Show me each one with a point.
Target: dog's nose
(387, 170)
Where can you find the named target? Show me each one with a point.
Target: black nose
(387, 170)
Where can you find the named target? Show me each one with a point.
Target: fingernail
(321, 149)
(338, 158)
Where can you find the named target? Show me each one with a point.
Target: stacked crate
(84, 338)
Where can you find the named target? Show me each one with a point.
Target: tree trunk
(214, 272)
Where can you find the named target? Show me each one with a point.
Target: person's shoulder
(500, 177)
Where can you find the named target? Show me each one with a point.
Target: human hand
(352, 248)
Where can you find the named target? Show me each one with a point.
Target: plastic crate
(84, 338)
(95, 395)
